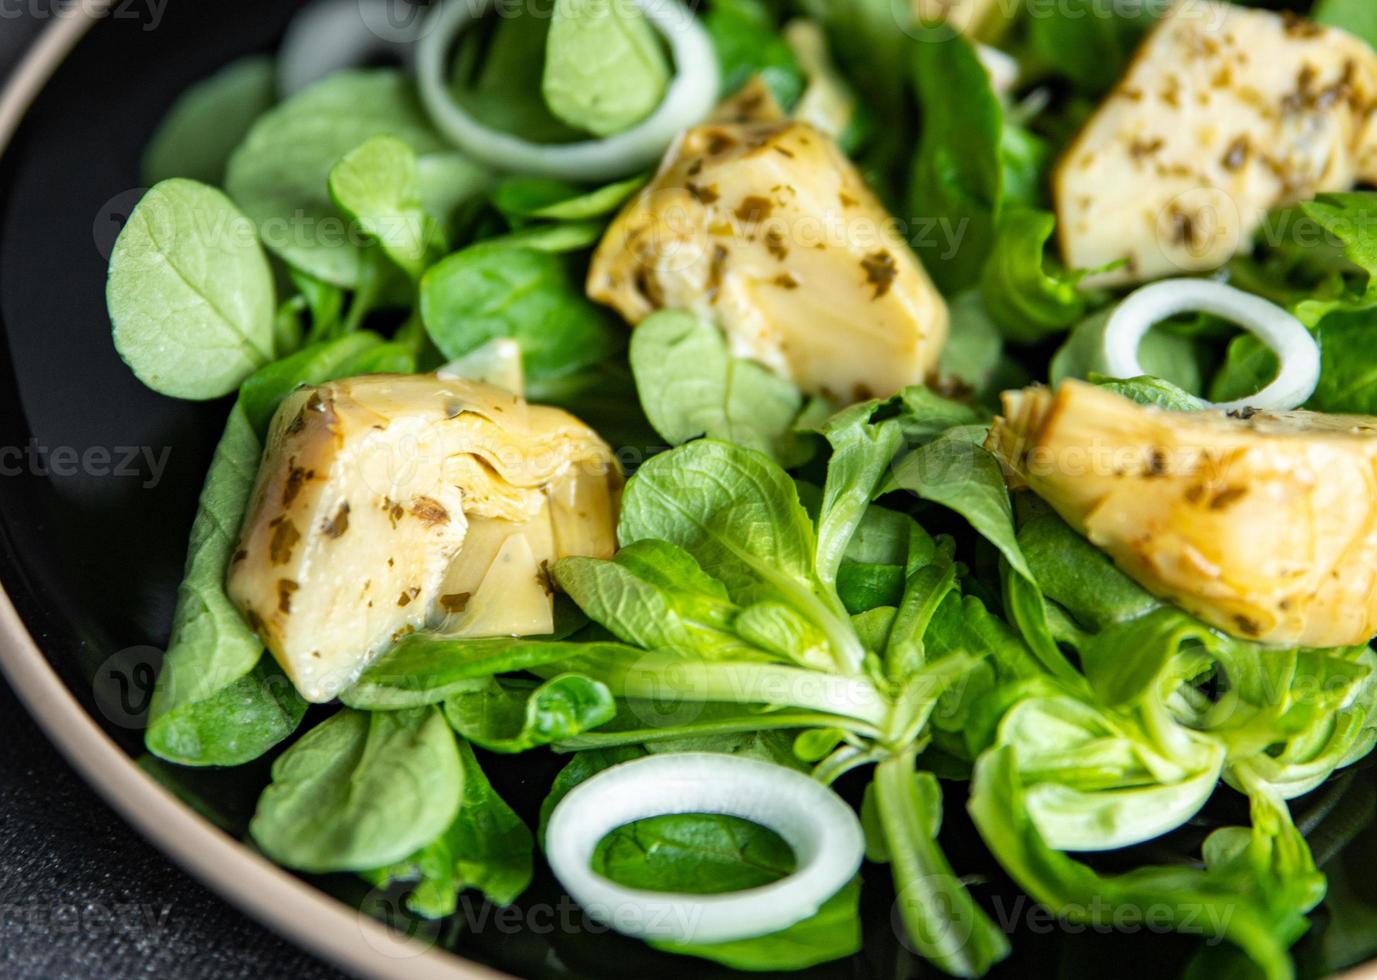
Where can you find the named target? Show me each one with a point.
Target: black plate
(97, 502)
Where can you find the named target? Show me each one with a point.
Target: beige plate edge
(274, 897)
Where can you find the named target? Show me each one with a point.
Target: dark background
(82, 895)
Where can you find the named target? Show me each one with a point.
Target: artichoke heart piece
(1264, 526)
(767, 229)
(391, 503)
(1225, 114)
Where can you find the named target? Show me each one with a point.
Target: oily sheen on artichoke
(1263, 525)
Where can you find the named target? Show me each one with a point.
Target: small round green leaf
(361, 791)
(190, 293)
(279, 174)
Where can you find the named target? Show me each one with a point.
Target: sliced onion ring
(1279, 330)
(826, 837)
(690, 98)
(335, 35)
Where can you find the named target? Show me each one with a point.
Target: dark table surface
(81, 894)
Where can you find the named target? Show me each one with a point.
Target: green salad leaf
(187, 277)
(1348, 376)
(940, 916)
(747, 42)
(493, 76)
(378, 185)
(489, 291)
(1354, 16)
(655, 595)
(1152, 391)
(1163, 354)
(208, 120)
(733, 510)
(361, 791)
(1090, 44)
(958, 473)
(323, 301)
(974, 352)
(1248, 368)
(1027, 159)
(264, 390)
(556, 239)
(870, 49)
(513, 716)
(695, 854)
(1346, 220)
(1024, 297)
(958, 173)
(487, 848)
(214, 704)
(522, 198)
(450, 185)
(1218, 902)
(738, 514)
(925, 415)
(426, 668)
(280, 174)
(605, 69)
(1074, 573)
(862, 450)
(690, 385)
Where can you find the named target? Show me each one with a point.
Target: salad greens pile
(847, 591)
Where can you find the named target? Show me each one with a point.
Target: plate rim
(275, 898)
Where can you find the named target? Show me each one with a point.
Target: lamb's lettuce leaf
(213, 703)
(360, 791)
(500, 289)
(1027, 297)
(605, 69)
(748, 42)
(1228, 899)
(487, 847)
(513, 716)
(1354, 16)
(690, 385)
(956, 472)
(1089, 44)
(958, 173)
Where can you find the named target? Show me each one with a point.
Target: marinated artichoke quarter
(1263, 526)
(389, 503)
(1225, 114)
(767, 229)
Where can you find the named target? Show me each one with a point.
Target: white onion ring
(1279, 330)
(826, 837)
(334, 35)
(690, 98)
